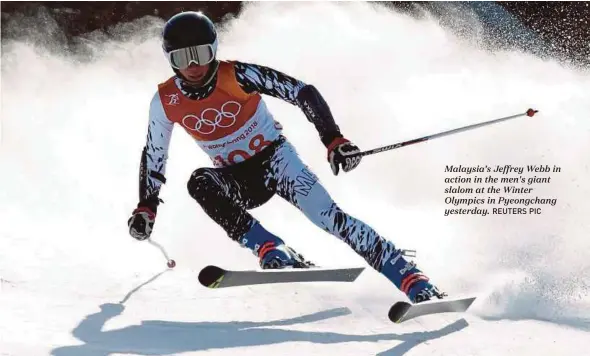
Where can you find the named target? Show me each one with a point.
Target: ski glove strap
(341, 152)
(141, 223)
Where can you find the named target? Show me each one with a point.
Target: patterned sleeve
(154, 155)
(264, 80)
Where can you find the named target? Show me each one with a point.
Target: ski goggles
(199, 55)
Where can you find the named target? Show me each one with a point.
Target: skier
(219, 104)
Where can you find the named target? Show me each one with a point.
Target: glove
(342, 152)
(141, 223)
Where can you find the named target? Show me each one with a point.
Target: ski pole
(170, 262)
(529, 113)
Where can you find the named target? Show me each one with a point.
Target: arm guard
(264, 80)
(154, 156)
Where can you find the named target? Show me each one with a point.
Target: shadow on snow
(155, 337)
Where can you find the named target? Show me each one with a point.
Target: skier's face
(195, 73)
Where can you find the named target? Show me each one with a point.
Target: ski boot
(409, 279)
(280, 256)
(422, 291)
(271, 250)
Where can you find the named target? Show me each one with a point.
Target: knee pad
(202, 183)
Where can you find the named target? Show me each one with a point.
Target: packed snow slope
(74, 283)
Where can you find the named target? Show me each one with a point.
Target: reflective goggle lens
(183, 57)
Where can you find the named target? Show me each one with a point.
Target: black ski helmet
(188, 29)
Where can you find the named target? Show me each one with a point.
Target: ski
(217, 277)
(403, 311)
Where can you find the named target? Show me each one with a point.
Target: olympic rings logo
(206, 124)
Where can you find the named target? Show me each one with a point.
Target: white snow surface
(74, 283)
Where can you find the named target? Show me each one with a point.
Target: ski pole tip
(531, 112)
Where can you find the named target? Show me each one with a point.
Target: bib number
(256, 144)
